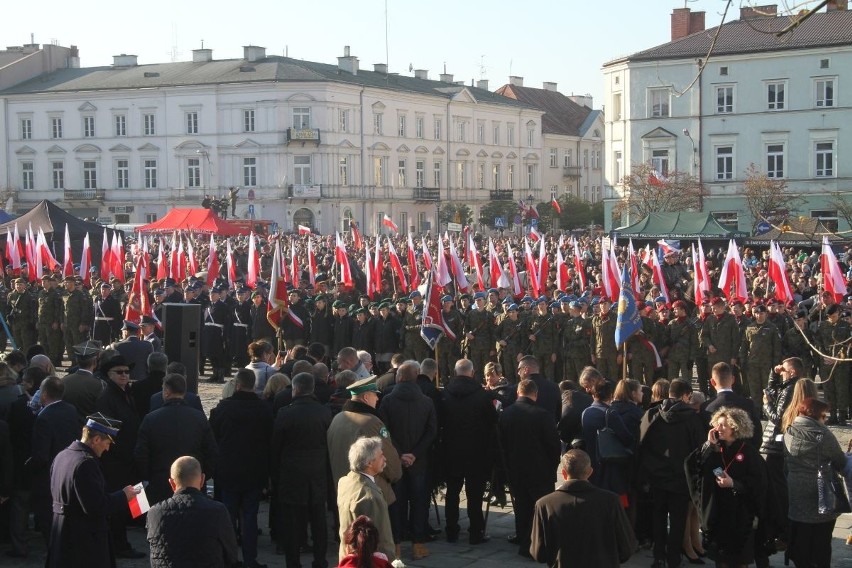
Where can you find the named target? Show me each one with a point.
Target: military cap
(157, 292)
(243, 290)
(321, 277)
(526, 299)
(100, 423)
(106, 285)
(415, 294)
(832, 309)
(384, 306)
(493, 291)
(574, 305)
(337, 304)
(447, 298)
(556, 305)
(759, 309)
(513, 307)
(361, 311)
(256, 293)
(541, 300)
(464, 297)
(169, 283)
(50, 277)
(147, 320)
(718, 301)
(479, 296)
(130, 325)
(364, 385)
(87, 349)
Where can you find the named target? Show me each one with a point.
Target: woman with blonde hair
(805, 388)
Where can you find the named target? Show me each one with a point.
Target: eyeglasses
(120, 371)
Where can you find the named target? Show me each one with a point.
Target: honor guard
(414, 347)
(576, 342)
(23, 310)
(240, 330)
(216, 328)
(511, 334)
(479, 344)
(760, 352)
(50, 312)
(544, 338)
(605, 355)
(107, 325)
(78, 317)
(447, 350)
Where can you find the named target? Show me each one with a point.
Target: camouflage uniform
(642, 360)
(447, 351)
(603, 346)
(794, 345)
(78, 312)
(759, 353)
(479, 323)
(545, 329)
(576, 347)
(833, 339)
(514, 333)
(723, 333)
(682, 341)
(51, 309)
(23, 310)
(414, 347)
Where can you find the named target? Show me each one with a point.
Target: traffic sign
(454, 227)
(500, 222)
(534, 222)
(763, 227)
(251, 210)
(517, 220)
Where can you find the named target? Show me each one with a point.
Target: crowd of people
(339, 411)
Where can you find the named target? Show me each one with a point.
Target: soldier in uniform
(447, 350)
(832, 340)
(240, 328)
(261, 329)
(413, 345)
(78, 317)
(605, 355)
(511, 338)
(363, 332)
(119, 293)
(173, 295)
(387, 327)
(682, 342)
(642, 359)
(721, 336)
(760, 352)
(50, 312)
(291, 333)
(322, 323)
(108, 318)
(544, 338)
(217, 321)
(23, 310)
(478, 330)
(342, 328)
(576, 342)
(794, 345)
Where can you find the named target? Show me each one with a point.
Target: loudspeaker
(182, 338)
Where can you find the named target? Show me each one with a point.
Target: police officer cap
(216, 289)
(50, 277)
(87, 349)
(759, 309)
(107, 286)
(513, 307)
(479, 296)
(415, 294)
(447, 298)
(243, 290)
(364, 385)
(147, 320)
(100, 423)
(130, 325)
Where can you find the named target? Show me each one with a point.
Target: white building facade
(782, 104)
(307, 143)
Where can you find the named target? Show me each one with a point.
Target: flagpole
(624, 360)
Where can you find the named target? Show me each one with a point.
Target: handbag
(831, 488)
(610, 448)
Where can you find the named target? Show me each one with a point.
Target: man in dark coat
(411, 418)
(549, 397)
(134, 350)
(722, 379)
(79, 535)
(119, 469)
(531, 449)
(170, 432)
(300, 470)
(342, 328)
(242, 426)
(290, 332)
(574, 401)
(189, 528)
(468, 430)
(56, 426)
(107, 324)
(580, 508)
(261, 329)
(21, 418)
(153, 383)
(82, 387)
(322, 323)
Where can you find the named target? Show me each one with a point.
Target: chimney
(348, 63)
(582, 100)
(124, 60)
(74, 57)
(686, 22)
(516, 81)
(253, 53)
(446, 77)
(202, 55)
(837, 5)
(421, 74)
(750, 12)
(482, 84)
(380, 68)
(549, 86)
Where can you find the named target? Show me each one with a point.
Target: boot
(419, 551)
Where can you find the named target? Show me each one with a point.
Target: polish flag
(295, 269)
(304, 230)
(139, 503)
(702, 278)
(253, 263)
(212, 263)
(733, 274)
(181, 260)
(543, 267)
(86, 262)
(442, 272)
(495, 271)
(413, 273)
(578, 266)
(427, 256)
(561, 268)
(312, 263)
(162, 269)
(46, 254)
(634, 271)
(13, 250)
(396, 265)
(342, 259)
(458, 270)
(137, 295)
(173, 258)
(832, 276)
(369, 272)
(67, 261)
(477, 263)
(532, 271)
(657, 179)
(38, 259)
(285, 271)
(21, 246)
(778, 273)
(232, 266)
(388, 222)
(377, 266)
(610, 270)
(515, 280)
(556, 206)
(534, 234)
(193, 262)
(356, 235)
(659, 279)
(277, 300)
(33, 272)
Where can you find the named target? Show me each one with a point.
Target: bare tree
(842, 203)
(767, 198)
(645, 192)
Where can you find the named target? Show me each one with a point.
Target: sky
(565, 41)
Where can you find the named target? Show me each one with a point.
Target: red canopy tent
(193, 221)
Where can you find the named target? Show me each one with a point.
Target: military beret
(479, 296)
(526, 299)
(464, 297)
(493, 291)
(555, 305)
(402, 300)
(604, 300)
(574, 305)
(447, 298)
(384, 306)
(513, 307)
(717, 301)
(50, 277)
(361, 311)
(70, 277)
(832, 309)
(415, 294)
(507, 300)
(801, 314)
(660, 299)
(679, 304)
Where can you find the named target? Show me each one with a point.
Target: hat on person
(679, 304)
(147, 320)
(87, 349)
(130, 325)
(447, 298)
(759, 309)
(364, 385)
(70, 277)
(113, 362)
(604, 299)
(100, 423)
(361, 311)
(493, 291)
(512, 307)
(106, 285)
(48, 277)
(717, 301)
(574, 305)
(415, 294)
(660, 300)
(336, 304)
(479, 296)
(170, 282)
(321, 277)
(541, 300)
(526, 299)
(832, 309)
(384, 306)
(216, 289)
(556, 305)
(21, 280)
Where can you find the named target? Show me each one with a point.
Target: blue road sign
(500, 222)
(763, 227)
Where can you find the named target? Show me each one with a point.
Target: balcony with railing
(501, 195)
(427, 194)
(301, 191)
(571, 171)
(83, 194)
(303, 135)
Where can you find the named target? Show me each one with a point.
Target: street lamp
(695, 169)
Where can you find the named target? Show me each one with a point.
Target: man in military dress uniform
(682, 341)
(78, 317)
(108, 317)
(544, 338)
(512, 335)
(576, 343)
(241, 327)
(217, 322)
(760, 352)
(290, 332)
(721, 336)
(832, 337)
(322, 323)
(342, 328)
(479, 336)
(605, 355)
(414, 347)
(50, 312)
(447, 350)
(23, 310)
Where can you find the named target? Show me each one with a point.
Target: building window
(728, 219)
(343, 167)
(90, 175)
(302, 170)
(658, 103)
(26, 129)
(56, 127)
(122, 218)
(531, 171)
(343, 120)
(400, 173)
(596, 160)
(422, 222)
(379, 171)
(495, 176)
(436, 174)
(567, 159)
(193, 172)
(825, 92)
(496, 135)
(775, 96)
(250, 172)
(460, 131)
(120, 121)
(248, 120)
(616, 106)
(827, 217)
(402, 131)
(725, 99)
(27, 175)
(510, 134)
(437, 126)
(617, 166)
(480, 176)
(724, 162)
(585, 158)
(554, 158)
(149, 125)
(419, 173)
(418, 126)
(58, 174)
(480, 132)
(660, 161)
(824, 159)
(149, 169)
(122, 174)
(192, 123)
(824, 63)
(377, 123)
(530, 137)
(88, 127)
(151, 217)
(460, 177)
(301, 118)
(403, 221)
(510, 177)
(775, 160)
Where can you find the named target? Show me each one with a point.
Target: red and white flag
(397, 266)
(476, 262)
(13, 250)
(231, 264)
(369, 273)
(162, 265)
(46, 253)
(253, 269)
(173, 258)
(778, 273)
(514, 279)
(532, 269)
(458, 270)
(442, 272)
(388, 222)
(634, 272)
(86, 262)
(427, 256)
(610, 270)
(733, 275)
(213, 265)
(295, 269)
(139, 503)
(495, 270)
(377, 266)
(413, 272)
(304, 230)
(190, 253)
(342, 259)
(543, 267)
(555, 203)
(578, 266)
(657, 179)
(561, 268)
(67, 260)
(535, 236)
(659, 278)
(832, 275)
(356, 235)
(277, 300)
(181, 260)
(702, 278)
